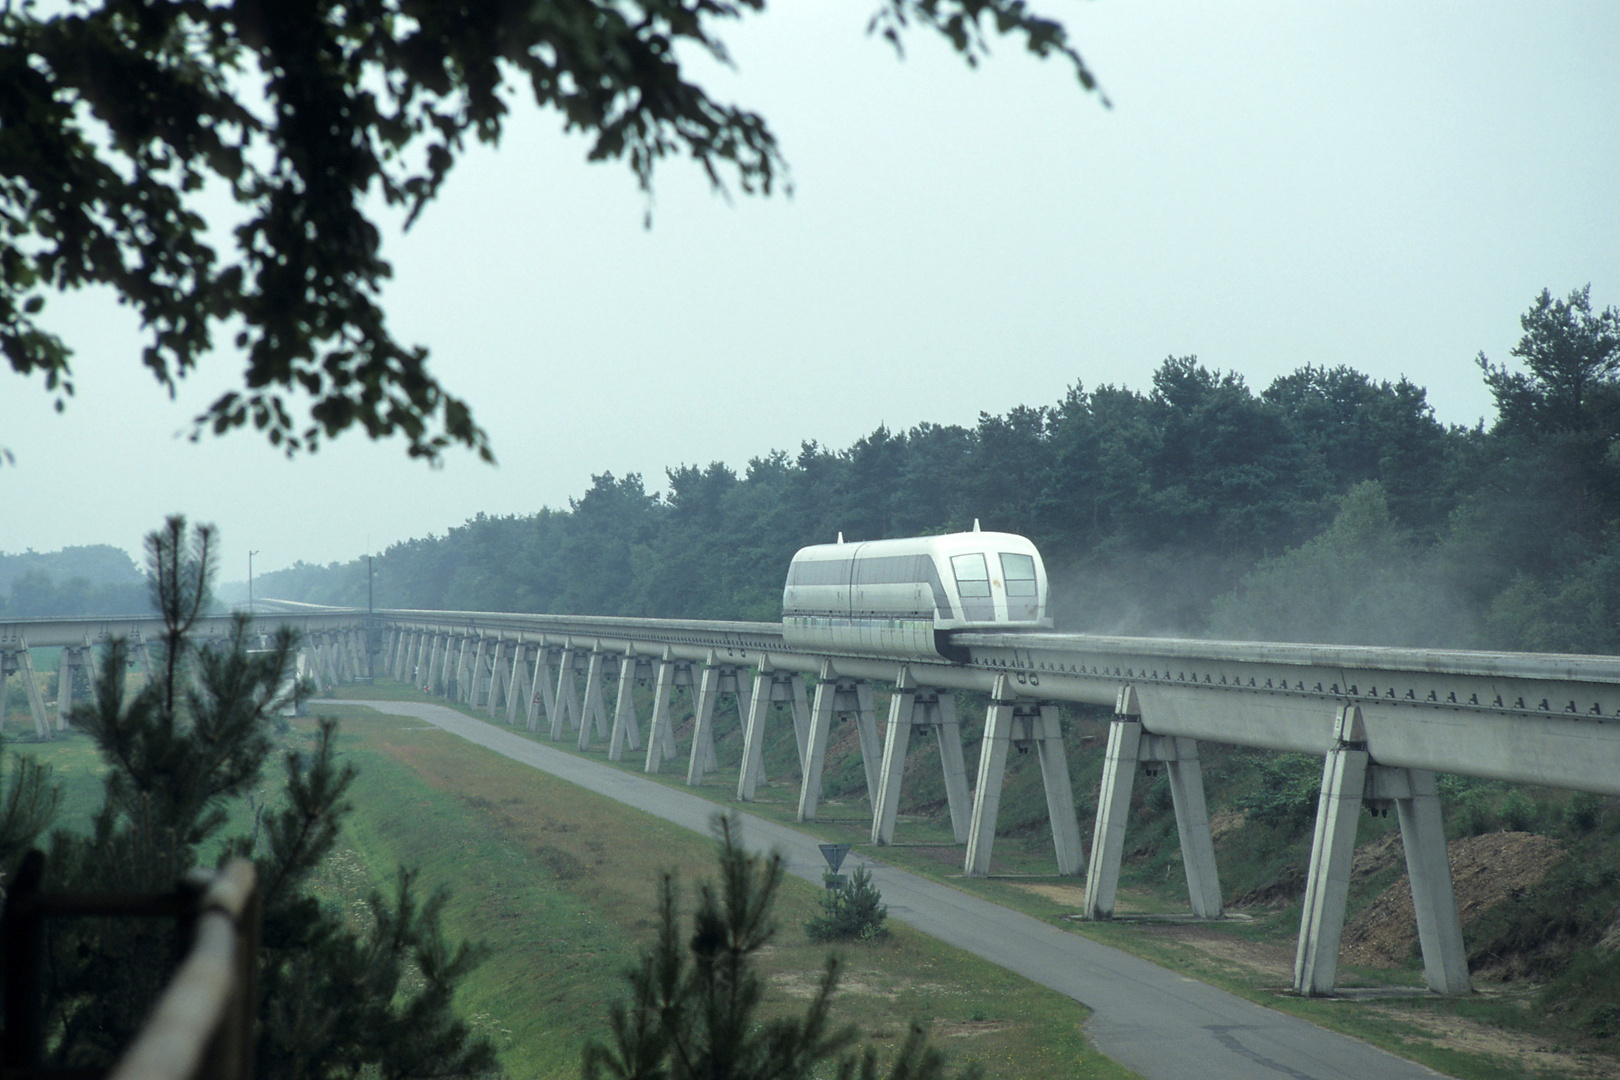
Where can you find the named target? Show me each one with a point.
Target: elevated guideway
(1384, 722)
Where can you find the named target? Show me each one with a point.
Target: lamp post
(250, 581)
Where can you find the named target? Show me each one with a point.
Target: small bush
(1583, 812)
(1286, 792)
(1518, 812)
(853, 913)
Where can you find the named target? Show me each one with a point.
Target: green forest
(1328, 507)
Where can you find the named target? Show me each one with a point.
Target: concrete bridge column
(472, 654)
(896, 742)
(1417, 805)
(771, 688)
(543, 691)
(1011, 722)
(419, 673)
(19, 661)
(1333, 849)
(594, 717)
(626, 729)
(660, 729)
(838, 697)
(330, 666)
(455, 666)
(435, 648)
(913, 709)
(402, 648)
(356, 654)
(1129, 746)
(518, 680)
(411, 659)
(717, 679)
(567, 698)
(495, 680)
(74, 660)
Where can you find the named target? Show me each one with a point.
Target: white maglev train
(902, 598)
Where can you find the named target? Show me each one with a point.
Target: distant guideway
(1161, 1024)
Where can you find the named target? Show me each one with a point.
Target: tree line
(1330, 506)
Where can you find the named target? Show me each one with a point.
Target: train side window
(972, 576)
(1019, 573)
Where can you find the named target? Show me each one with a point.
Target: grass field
(560, 884)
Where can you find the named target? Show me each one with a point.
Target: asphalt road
(1162, 1024)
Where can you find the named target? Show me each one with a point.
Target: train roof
(946, 544)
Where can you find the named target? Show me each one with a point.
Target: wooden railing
(201, 1027)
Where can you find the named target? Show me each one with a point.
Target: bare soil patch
(1068, 895)
(1485, 870)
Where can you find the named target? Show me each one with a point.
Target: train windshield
(1023, 597)
(973, 585)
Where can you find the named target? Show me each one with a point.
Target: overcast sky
(1386, 186)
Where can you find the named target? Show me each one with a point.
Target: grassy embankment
(1262, 848)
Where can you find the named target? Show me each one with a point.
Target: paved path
(1164, 1025)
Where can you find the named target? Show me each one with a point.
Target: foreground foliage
(696, 1008)
(186, 754)
(117, 116)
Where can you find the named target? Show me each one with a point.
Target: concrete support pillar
(567, 698)
(1445, 961)
(472, 685)
(399, 646)
(8, 664)
(896, 743)
(355, 654)
(594, 717)
(36, 700)
(1416, 799)
(751, 771)
(433, 655)
(428, 661)
(421, 659)
(992, 771)
(1045, 732)
(1010, 722)
(518, 680)
(717, 679)
(411, 660)
(76, 659)
(543, 691)
(497, 680)
(954, 766)
(464, 668)
(1186, 777)
(837, 697)
(1333, 849)
(660, 730)
(927, 710)
(772, 688)
(447, 665)
(1128, 748)
(626, 729)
